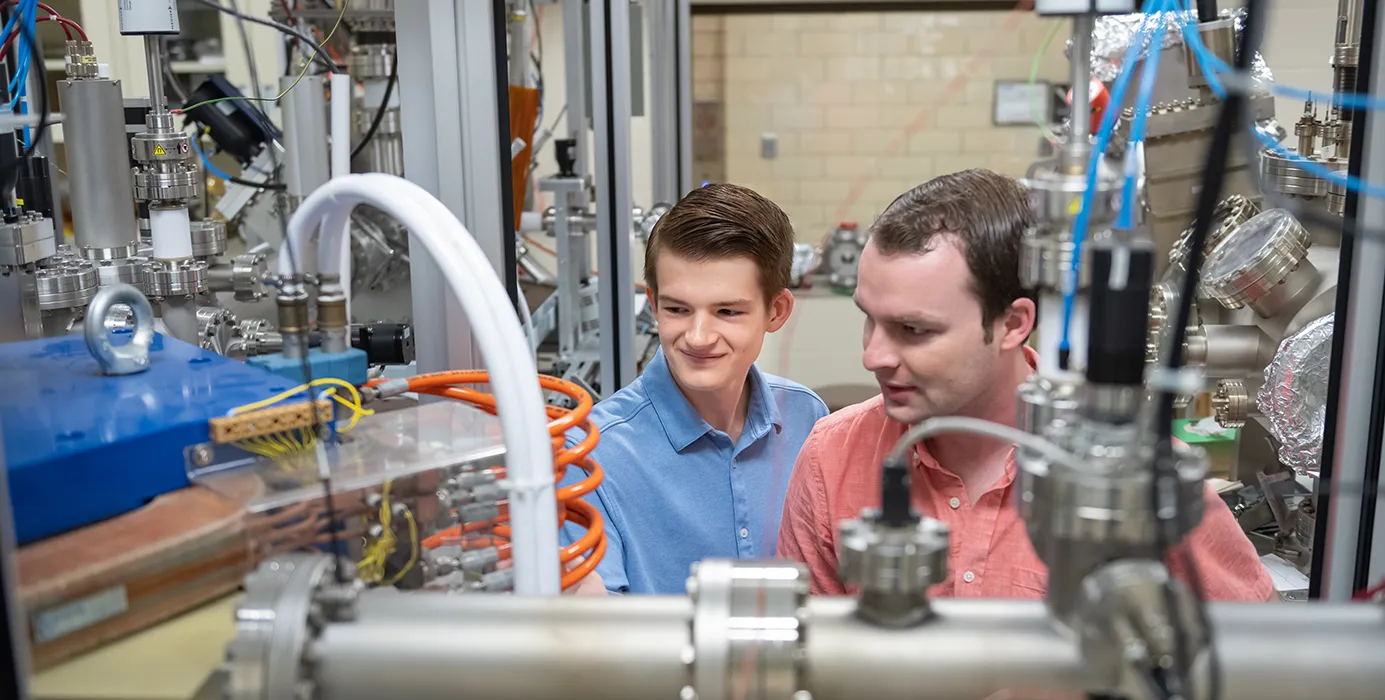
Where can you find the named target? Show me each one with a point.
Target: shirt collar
(683, 426)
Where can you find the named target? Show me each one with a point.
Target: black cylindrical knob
(384, 343)
(565, 151)
(34, 191)
(1117, 328)
(895, 507)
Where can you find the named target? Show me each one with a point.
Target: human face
(924, 339)
(713, 319)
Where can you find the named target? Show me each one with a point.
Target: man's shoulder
(792, 395)
(851, 428)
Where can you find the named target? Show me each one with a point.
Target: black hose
(1206, 10)
(9, 173)
(384, 106)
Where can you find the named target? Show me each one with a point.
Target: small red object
(1100, 98)
(849, 225)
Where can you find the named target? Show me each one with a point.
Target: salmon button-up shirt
(838, 474)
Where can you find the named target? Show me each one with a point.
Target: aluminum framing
(670, 111)
(449, 118)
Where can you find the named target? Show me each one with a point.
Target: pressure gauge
(1252, 265)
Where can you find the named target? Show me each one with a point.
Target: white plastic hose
(341, 124)
(1051, 333)
(529, 460)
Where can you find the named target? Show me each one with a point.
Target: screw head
(202, 455)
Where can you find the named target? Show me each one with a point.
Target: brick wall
(839, 92)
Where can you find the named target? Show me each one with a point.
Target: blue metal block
(81, 447)
(350, 366)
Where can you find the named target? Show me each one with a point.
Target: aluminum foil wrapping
(1113, 34)
(1294, 395)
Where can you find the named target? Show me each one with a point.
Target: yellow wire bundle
(298, 440)
(377, 553)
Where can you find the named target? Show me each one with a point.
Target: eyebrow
(904, 320)
(665, 299)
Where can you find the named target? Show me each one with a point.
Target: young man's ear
(1017, 323)
(653, 302)
(780, 307)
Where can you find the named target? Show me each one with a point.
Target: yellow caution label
(18, 202)
(159, 150)
(88, 59)
(1075, 207)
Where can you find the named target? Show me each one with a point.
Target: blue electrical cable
(1103, 138)
(1126, 221)
(207, 163)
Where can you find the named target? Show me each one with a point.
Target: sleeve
(1225, 561)
(805, 532)
(611, 568)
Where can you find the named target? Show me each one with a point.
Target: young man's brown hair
(722, 221)
(985, 212)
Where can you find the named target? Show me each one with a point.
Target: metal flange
(66, 285)
(27, 241)
(1255, 258)
(176, 278)
(182, 182)
(1231, 403)
(208, 237)
(747, 620)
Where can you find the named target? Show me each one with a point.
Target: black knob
(565, 150)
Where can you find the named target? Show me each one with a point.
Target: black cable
(9, 176)
(384, 107)
(271, 186)
(318, 51)
(509, 262)
(1206, 10)
(335, 541)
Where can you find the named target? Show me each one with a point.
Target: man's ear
(649, 293)
(780, 307)
(1017, 323)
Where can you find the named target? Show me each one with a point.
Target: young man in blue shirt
(697, 452)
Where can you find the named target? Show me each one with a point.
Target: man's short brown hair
(984, 212)
(723, 221)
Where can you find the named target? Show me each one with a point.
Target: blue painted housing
(81, 447)
(350, 366)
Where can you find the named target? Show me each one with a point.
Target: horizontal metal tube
(1237, 348)
(488, 647)
(481, 646)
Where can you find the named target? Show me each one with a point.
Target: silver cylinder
(98, 164)
(180, 317)
(1236, 349)
(495, 646)
(426, 646)
(305, 122)
(1082, 28)
(153, 63)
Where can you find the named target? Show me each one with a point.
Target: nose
(702, 333)
(880, 354)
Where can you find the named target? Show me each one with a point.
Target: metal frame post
(1354, 435)
(449, 114)
(610, 61)
(574, 58)
(670, 98)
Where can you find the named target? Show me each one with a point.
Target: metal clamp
(133, 357)
(746, 618)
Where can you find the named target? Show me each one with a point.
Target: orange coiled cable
(571, 507)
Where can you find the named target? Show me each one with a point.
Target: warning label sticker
(159, 150)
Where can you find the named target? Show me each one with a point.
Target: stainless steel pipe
(98, 165)
(424, 646)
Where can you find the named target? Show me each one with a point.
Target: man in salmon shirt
(946, 323)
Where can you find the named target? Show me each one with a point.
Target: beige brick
(883, 44)
(708, 23)
(935, 142)
(927, 92)
(898, 118)
(879, 142)
(826, 93)
(750, 24)
(787, 22)
(854, 68)
(750, 118)
(852, 22)
(851, 117)
(826, 44)
(732, 44)
(944, 165)
(1013, 165)
(771, 92)
(852, 167)
(749, 70)
(781, 45)
(905, 68)
(938, 43)
(707, 89)
(706, 45)
(988, 141)
(811, 69)
(910, 169)
(824, 191)
(963, 116)
(883, 92)
(822, 142)
(798, 118)
(799, 167)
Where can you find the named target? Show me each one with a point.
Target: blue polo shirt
(677, 491)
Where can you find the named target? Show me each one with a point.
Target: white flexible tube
(529, 459)
(341, 124)
(1051, 334)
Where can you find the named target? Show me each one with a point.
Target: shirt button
(969, 577)
(744, 533)
(955, 503)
